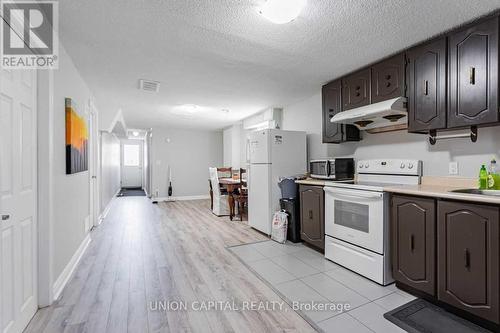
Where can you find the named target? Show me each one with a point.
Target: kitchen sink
(495, 193)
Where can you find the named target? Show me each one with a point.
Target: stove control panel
(390, 167)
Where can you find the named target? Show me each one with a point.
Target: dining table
(231, 185)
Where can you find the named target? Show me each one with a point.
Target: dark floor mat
(420, 316)
(132, 192)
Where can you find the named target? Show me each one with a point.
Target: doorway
(132, 163)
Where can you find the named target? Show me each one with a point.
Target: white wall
(232, 138)
(110, 167)
(306, 116)
(71, 192)
(189, 153)
(227, 141)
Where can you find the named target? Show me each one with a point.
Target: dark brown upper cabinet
(413, 227)
(468, 258)
(388, 79)
(312, 217)
(356, 90)
(473, 75)
(332, 104)
(426, 75)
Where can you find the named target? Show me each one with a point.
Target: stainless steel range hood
(390, 113)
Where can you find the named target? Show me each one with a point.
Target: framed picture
(77, 137)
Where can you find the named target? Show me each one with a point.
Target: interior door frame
(94, 162)
(140, 142)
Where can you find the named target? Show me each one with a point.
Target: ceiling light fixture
(281, 11)
(135, 133)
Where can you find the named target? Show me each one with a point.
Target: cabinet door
(332, 104)
(312, 221)
(356, 90)
(473, 75)
(468, 239)
(388, 79)
(426, 72)
(413, 234)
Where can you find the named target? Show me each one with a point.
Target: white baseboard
(67, 272)
(182, 198)
(105, 212)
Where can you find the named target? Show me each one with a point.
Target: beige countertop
(441, 191)
(319, 182)
(310, 181)
(435, 187)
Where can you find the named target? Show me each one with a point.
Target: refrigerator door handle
(247, 153)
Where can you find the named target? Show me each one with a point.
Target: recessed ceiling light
(225, 110)
(188, 109)
(135, 133)
(281, 11)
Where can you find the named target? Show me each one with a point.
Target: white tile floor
(301, 274)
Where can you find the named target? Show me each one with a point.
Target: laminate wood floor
(174, 251)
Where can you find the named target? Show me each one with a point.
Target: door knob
(5, 217)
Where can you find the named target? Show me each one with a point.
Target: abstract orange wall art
(77, 137)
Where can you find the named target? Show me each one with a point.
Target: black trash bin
(291, 207)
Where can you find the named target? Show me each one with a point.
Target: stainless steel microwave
(334, 169)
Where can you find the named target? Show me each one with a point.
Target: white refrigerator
(271, 154)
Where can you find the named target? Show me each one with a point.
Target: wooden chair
(242, 197)
(211, 192)
(224, 173)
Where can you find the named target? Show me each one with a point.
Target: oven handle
(352, 194)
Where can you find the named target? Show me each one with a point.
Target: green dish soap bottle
(493, 176)
(483, 178)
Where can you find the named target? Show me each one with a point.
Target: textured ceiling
(221, 54)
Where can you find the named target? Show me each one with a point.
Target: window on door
(131, 155)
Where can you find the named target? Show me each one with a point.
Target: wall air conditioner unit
(270, 118)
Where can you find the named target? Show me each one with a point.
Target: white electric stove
(357, 216)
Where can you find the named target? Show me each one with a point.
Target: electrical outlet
(453, 168)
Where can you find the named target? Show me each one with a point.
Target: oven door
(356, 217)
(319, 169)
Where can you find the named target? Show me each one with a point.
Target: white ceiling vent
(149, 85)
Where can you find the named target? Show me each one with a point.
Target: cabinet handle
(412, 243)
(467, 258)
(388, 84)
(472, 75)
(358, 87)
(358, 94)
(388, 77)
(426, 87)
(331, 110)
(310, 214)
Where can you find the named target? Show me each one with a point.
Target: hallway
(143, 253)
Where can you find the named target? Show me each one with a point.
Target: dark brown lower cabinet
(312, 220)
(468, 258)
(413, 226)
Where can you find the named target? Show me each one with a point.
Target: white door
(131, 163)
(259, 198)
(18, 179)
